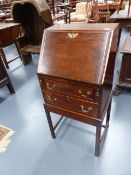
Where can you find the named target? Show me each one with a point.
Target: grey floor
(33, 151)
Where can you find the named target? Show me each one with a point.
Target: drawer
(72, 103)
(76, 89)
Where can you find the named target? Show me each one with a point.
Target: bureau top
(88, 26)
(77, 53)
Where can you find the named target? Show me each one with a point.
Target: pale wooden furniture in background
(82, 12)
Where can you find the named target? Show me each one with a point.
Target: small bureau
(75, 74)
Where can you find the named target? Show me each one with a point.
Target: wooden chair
(73, 4)
(34, 16)
(100, 12)
(4, 78)
(94, 18)
(104, 12)
(80, 15)
(62, 11)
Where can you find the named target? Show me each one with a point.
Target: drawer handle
(85, 110)
(84, 95)
(97, 93)
(50, 86)
(51, 99)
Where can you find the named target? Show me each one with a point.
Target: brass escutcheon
(50, 86)
(72, 35)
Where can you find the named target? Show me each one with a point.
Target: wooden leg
(119, 6)
(50, 122)
(18, 50)
(66, 17)
(119, 37)
(10, 87)
(26, 58)
(129, 7)
(4, 58)
(98, 140)
(108, 113)
(53, 7)
(69, 17)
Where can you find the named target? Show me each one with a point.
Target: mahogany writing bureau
(72, 74)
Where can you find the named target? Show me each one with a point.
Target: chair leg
(4, 58)
(69, 18)
(18, 50)
(50, 122)
(11, 88)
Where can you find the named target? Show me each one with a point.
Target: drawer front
(72, 103)
(80, 90)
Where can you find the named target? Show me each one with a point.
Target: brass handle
(50, 86)
(86, 110)
(51, 99)
(97, 93)
(84, 95)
